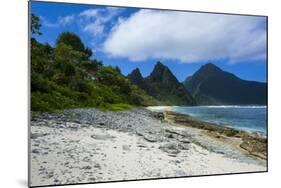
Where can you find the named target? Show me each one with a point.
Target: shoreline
(172, 109)
(251, 142)
(87, 145)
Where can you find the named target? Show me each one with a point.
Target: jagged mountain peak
(136, 72)
(162, 73)
(163, 85)
(159, 65)
(158, 68)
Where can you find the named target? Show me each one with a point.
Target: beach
(88, 145)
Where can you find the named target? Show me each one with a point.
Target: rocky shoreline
(253, 143)
(88, 145)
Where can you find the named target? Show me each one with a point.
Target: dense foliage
(64, 76)
(35, 24)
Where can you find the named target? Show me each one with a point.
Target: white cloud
(95, 28)
(61, 21)
(97, 18)
(187, 37)
(66, 20)
(90, 13)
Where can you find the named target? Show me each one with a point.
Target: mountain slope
(162, 85)
(136, 78)
(211, 85)
(62, 77)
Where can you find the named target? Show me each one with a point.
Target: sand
(67, 152)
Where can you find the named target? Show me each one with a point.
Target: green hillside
(65, 76)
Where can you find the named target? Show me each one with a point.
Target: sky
(184, 41)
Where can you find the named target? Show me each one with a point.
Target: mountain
(162, 85)
(136, 78)
(212, 85)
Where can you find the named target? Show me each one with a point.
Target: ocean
(247, 118)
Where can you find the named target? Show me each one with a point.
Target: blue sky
(184, 41)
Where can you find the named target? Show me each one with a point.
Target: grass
(105, 108)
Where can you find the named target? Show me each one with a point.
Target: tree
(40, 55)
(117, 69)
(35, 24)
(65, 53)
(90, 66)
(71, 39)
(88, 52)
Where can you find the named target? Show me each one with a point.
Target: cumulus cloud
(187, 37)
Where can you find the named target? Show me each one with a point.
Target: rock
(183, 140)
(183, 146)
(36, 151)
(174, 132)
(170, 136)
(86, 159)
(142, 146)
(56, 181)
(36, 135)
(170, 148)
(177, 161)
(91, 179)
(149, 138)
(159, 115)
(102, 137)
(256, 146)
(42, 169)
(73, 127)
(86, 167)
(97, 166)
(50, 174)
(172, 155)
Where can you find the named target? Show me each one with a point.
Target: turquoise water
(247, 118)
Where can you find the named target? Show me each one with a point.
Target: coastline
(202, 113)
(87, 145)
(253, 143)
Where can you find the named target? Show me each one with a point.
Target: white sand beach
(65, 151)
(159, 108)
